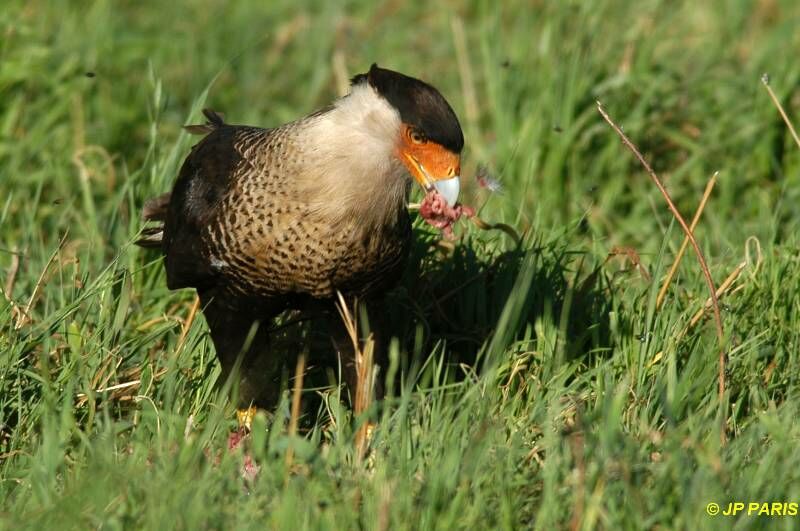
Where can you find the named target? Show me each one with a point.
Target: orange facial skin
(426, 160)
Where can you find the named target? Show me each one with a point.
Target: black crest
(420, 105)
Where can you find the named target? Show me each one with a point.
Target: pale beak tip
(449, 189)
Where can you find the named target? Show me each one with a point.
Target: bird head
(430, 138)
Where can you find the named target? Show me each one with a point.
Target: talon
(245, 417)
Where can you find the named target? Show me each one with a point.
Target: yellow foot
(364, 438)
(370, 430)
(245, 417)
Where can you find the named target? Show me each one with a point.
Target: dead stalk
(723, 288)
(508, 229)
(339, 68)
(765, 80)
(365, 372)
(297, 392)
(25, 316)
(11, 278)
(700, 257)
(187, 324)
(576, 442)
(465, 70)
(665, 286)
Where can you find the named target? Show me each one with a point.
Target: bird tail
(155, 209)
(214, 120)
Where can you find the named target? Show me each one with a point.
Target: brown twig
(508, 229)
(700, 257)
(672, 270)
(25, 315)
(723, 290)
(465, 70)
(765, 81)
(577, 446)
(339, 68)
(12, 275)
(365, 375)
(297, 392)
(632, 256)
(187, 324)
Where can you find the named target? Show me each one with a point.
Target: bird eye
(417, 137)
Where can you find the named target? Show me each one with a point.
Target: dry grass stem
(697, 215)
(85, 173)
(365, 371)
(700, 257)
(119, 392)
(24, 317)
(11, 276)
(465, 70)
(723, 290)
(577, 447)
(508, 229)
(187, 324)
(339, 68)
(765, 80)
(632, 256)
(297, 392)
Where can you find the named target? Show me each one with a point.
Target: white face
(349, 158)
(359, 155)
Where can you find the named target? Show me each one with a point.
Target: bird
(264, 220)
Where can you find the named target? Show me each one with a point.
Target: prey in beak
(436, 169)
(432, 165)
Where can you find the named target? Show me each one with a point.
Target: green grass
(530, 391)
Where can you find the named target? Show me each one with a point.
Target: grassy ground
(539, 385)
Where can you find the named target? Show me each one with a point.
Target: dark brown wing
(240, 219)
(156, 208)
(204, 179)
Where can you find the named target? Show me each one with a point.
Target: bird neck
(356, 170)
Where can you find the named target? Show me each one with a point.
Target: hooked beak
(449, 189)
(448, 185)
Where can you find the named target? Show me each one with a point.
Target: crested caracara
(264, 220)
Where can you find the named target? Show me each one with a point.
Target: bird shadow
(458, 296)
(451, 300)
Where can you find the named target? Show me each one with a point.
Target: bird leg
(244, 417)
(241, 338)
(350, 349)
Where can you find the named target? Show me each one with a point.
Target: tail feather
(215, 120)
(155, 209)
(151, 238)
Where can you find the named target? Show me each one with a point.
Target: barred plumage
(261, 220)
